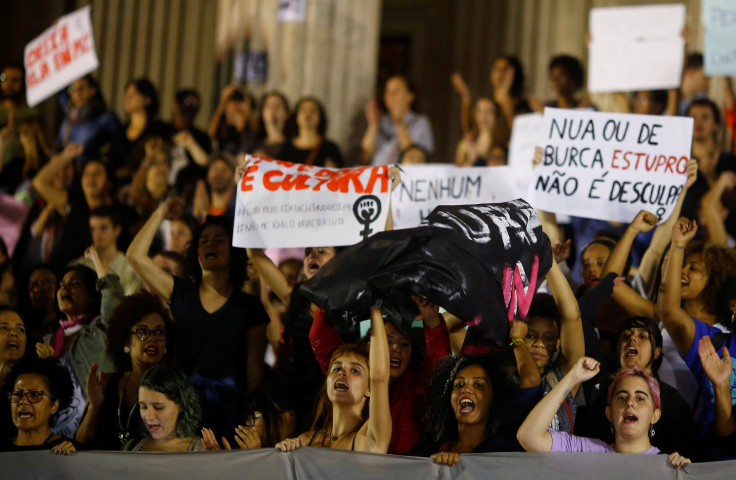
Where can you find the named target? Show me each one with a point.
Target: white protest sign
(610, 166)
(62, 54)
(292, 11)
(636, 48)
(526, 135)
(282, 205)
(719, 39)
(424, 187)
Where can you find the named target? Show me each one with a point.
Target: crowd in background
(129, 321)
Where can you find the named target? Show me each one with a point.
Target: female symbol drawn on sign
(366, 210)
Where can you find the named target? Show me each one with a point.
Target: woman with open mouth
(469, 408)
(136, 341)
(633, 410)
(353, 410)
(220, 330)
(39, 390)
(81, 339)
(12, 350)
(169, 410)
(640, 345)
(691, 305)
(409, 372)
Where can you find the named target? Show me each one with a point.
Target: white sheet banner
(424, 187)
(62, 54)
(635, 48)
(283, 205)
(610, 166)
(719, 38)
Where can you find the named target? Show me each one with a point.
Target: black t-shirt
(75, 236)
(326, 150)
(213, 349)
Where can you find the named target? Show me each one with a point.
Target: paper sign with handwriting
(610, 166)
(283, 205)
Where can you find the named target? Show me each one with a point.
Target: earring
(165, 350)
(126, 349)
(651, 430)
(612, 430)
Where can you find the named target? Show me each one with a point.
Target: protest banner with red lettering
(425, 187)
(609, 166)
(62, 54)
(282, 204)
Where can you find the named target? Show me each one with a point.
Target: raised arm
(572, 339)
(663, 233)
(270, 274)
(377, 428)
(719, 373)
(462, 89)
(159, 280)
(43, 182)
(642, 223)
(108, 284)
(368, 142)
(713, 212)
(533, 434)
(678, 323)
(528, 371)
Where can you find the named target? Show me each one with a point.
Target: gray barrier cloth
(321, 463)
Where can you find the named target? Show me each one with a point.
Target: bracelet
(678, 246)
(516, 341)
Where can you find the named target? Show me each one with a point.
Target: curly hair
(439, 419)
(720, 264)
(238, 256)
(129, 311)
(57, 378)
(173, 382)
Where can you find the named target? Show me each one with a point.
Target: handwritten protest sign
(719, 39)
(526, 135)
(59, 56)
(610, 166)
(282, 204)
(424, 187)
(636, 48)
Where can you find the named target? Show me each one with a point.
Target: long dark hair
(238, 256)
(439, 419)
(174, 383)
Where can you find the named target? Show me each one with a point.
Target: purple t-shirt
(564, 442)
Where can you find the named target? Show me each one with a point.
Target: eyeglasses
(250, 420)
(143, 333)
(33, 396)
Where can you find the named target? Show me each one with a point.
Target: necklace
(335, 438)
(124, 433)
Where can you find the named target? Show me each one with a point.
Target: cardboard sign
(719, 39)
(282, 204)
(610, 166)
(62, 54)
(636, 48)
(425, 187)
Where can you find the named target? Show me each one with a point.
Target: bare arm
(270, 274)
(572, 339)
(160, 281)
(528, 371)
(368, 142)
(43, 182)
(377, 429)
(185, 140)
(663, 233)
(719, 373)
(533, 434)
(461, 87)
(642, 223)
(678, 323)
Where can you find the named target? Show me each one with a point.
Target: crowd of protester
(129, 321)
